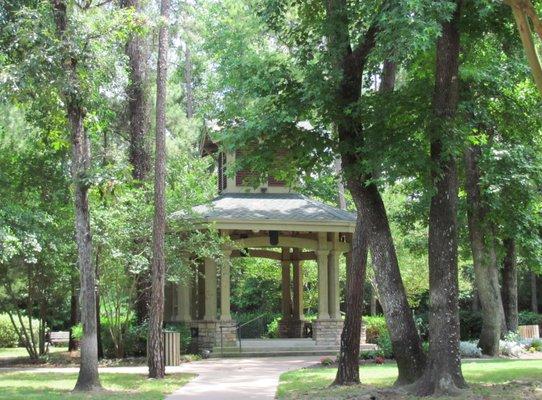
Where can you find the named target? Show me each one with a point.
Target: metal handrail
(239, 326)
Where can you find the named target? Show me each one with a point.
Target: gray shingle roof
(270, 206)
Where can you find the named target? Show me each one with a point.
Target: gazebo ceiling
(274, 211)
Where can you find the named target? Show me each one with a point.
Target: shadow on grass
(40, 386)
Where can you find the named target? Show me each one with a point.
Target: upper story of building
(242, 181)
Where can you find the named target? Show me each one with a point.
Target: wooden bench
(59, 337)
(529, 332)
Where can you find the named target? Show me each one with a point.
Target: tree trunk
(534, 294)
(443, 371)
(373, 301)
(155, 354)
(139, 129)
(404, 336)
(340, 185)
(405, 339)
(348, 371)
(98, 308)
(74, 318)
(88, 378)
(510, 285)
(188, 82)
(486, 273)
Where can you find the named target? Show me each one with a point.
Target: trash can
(172, 348)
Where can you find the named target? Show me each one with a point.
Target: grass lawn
(21, 351)
(488, 379)
(53, 386)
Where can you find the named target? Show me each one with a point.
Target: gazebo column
(322, 260)
(225, 314)
(333, 269)
(286, 307)
(298, 322)
(201, 291)
(183, 302)
(326, 330)
(210, 290)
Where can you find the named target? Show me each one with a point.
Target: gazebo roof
(274, 211)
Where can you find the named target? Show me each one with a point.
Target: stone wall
(210, 333)
(327, 332)
(291, 328)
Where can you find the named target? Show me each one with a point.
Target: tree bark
(74, 318)
(534, 292)
(405, 339)
(486, 273)
(188, 82)
(348, 371)
(443, 374)
(510, 285)
(88, 379)
(139, 129)
(155, 356)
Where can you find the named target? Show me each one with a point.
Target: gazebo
(269, 221)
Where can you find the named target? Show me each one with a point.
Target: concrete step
(329, 353)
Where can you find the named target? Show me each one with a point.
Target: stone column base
(211, 333)
(327, 332)
(291, 328)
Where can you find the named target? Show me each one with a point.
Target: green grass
(54, 386)
(21, 351)
(314, 383)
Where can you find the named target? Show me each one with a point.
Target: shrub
(375, 326)
(510, 348)
(8, 334)
(379, 360)
(370, 354)
(327, 361)
(384, 343)
(77, 331)
(469, 350)
(529, 318)
(273, 328)
(536, 344)
(470, 324)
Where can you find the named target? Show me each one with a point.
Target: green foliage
(529, 318)
(184, 330)
(384, 344)
(375, 327)
(8, 334)
(470, 324)
(536, 344)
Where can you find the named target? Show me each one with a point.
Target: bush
(510, 348)
(375, 326)
(273, 328)
(536, 344)
(384, 343)
(470, 325)
(260, 326)
(469, 350)
(8, 334)
(529, 318)
(370, 354)
(327, 361)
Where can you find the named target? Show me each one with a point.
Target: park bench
(59, 337)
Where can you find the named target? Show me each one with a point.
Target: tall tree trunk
(534, 292)
(188, 82)
(510, 285)
(486, 273)
(88, 379)
(139, 129)
(443, 372)
(348, 371)
(98, 308)
(341, 200)
(405, 339)
(155, 356)
(372, 306)
(74, 317)
(406, 342)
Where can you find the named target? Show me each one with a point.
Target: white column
(225, 314)
(321, 259)
(298, 287)
(183, 301)
(210, 290)
(333, 270)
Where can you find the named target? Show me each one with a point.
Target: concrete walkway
(238, 378)
(218, 379)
